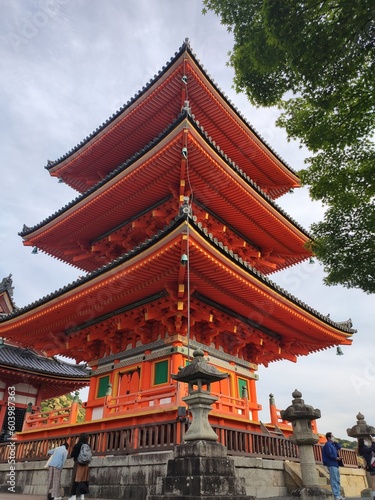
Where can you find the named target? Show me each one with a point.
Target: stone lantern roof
(199, 369)
(361, 429)
(299, 410)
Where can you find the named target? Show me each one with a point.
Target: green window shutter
(161, 375)
(242, 385)
(102, 386)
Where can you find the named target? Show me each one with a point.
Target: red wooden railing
(140, 401)
(163, 436)
(242, 408)
(161, 396)
(67, 415)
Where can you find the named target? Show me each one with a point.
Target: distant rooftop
(30, 360)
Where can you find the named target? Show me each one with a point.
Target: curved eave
(156, 265)
(50, 386)
(43, 376)
(31, 361)
(216, 182)
(278, 309)
(152, 109)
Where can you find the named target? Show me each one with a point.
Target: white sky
(66, 66)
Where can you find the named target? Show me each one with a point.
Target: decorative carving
(347, 324)
(6, 285)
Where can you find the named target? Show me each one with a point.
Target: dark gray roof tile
(28, 359)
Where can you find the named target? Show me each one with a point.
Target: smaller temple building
(27, 377)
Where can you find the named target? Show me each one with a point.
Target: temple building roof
(177, 228)
(220, 280)
(70, 234)
(29, 360)
(181, 84)
(49, 375)
(30, 365)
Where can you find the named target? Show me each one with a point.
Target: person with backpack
(82, 456)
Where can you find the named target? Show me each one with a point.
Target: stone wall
(110, 477)
(263, 478)
(134, 476)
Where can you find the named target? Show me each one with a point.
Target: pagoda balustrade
(161, 436)
(39, 418)
(241, 407)
(141, 400)
(168, 398)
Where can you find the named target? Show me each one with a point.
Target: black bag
(371, 467)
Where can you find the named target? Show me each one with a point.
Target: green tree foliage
(315, 60)
(345, 443)
(62, 402)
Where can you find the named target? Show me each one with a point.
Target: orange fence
(240, 407)
(138, 400)
(67, 415)
(163, 436)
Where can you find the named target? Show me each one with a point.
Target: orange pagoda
(176, 226)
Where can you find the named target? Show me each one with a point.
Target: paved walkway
(15, 496)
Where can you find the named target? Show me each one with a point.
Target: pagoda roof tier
(183, 82)
(148, 293)
(143, 194)
(57, 377)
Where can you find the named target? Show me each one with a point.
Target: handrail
(134, 402)
(50, 416)
(139, 399)
(241, 407)
(66, 415)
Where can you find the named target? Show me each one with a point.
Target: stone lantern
(200, 468)
(301, 415)
(199, 375)
(362, 430)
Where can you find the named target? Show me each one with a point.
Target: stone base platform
(200, 470)
(135, 477)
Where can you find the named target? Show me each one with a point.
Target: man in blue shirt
(331, 460)
(55, 465)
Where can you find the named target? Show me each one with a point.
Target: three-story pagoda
(176, 226)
